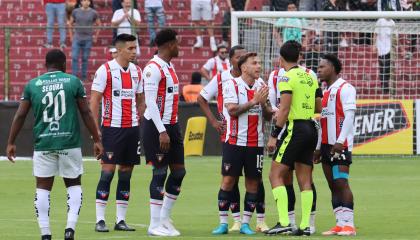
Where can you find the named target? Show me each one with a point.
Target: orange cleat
(347, 231)
(333, 231)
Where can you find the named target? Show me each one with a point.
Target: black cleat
(122, 226)
(69, 234)
(300, 232)
(101, 227)
(46, 237)
(279, 229)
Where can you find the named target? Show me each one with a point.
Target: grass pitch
(386, 192)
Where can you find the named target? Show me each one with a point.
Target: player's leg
(304, 178)
(235, 207)
(291, 198)
(313, 209)
(75, 51)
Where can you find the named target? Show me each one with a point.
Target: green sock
(307, 197)
(280, 195)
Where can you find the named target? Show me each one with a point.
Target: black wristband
(275, 131)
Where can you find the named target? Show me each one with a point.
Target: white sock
(168, 203)
(199, 39)
(260, 217)
(155, 208)
(212, 39)
(246, 217)
(74, 203)
(347, 217)
(42, 210)
(292, 218)
(236, 217)
(100, 210)
(121, 210)
(338, 216)
(223, 216)
(312, 219)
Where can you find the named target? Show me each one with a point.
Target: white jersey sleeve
(210, 90)
(229, 93)
(151, 78)
(272, 94)
(140, 85)
(209, 65)
(99, 81)
(348, 97)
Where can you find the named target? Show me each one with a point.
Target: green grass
(387, 194)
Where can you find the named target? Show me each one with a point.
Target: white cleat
(312, 230)
(167, 227)
(158, 231)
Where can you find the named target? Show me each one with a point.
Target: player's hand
(272, 144)
(317, 157)
(165, 142)
(337, 148)
(98, 150)
(218, 125)
(264, 94)
(11, 152)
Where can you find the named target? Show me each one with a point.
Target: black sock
(173, 184)
(123, 186)
(104, 184)
(291, 198)
(314, 200)
(260, 208)
(158, 182)
(250, 202)
(235, 201)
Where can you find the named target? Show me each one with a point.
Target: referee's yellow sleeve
(284, 85)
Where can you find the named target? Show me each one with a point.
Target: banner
(384, 127)
(194, 136)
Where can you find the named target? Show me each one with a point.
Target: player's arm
(272, 96)
(318, 100)
(206, 68)
(98, 87)
(231, 100)
(207, 93)
(141, 104)
(17, 124)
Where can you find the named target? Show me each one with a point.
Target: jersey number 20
(58, 103)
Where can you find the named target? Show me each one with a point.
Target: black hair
(290, 51)
(124, 37)
(196, 78)
(333, 59)
(220, 46)
(55, 59)
(164, 36)
(245, 57)
(79, 4)
(234, 48)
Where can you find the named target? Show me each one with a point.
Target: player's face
(223, 52)
(235, 58)
(174, 47)
(128, 51)
(325, 70)
(253, 67)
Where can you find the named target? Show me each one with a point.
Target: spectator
(291, 27)
(116, 4)
(383, 33)
(82, 19)
(234, 5)
(202, 15)
(55, 8)
(154, 8)
(313, 56)
(310, 5)
(282, 5)
(217, 64)
(127, 19)
(389, 5)
(191, 91)
(331, 39)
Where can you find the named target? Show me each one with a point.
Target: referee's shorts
(297, 143)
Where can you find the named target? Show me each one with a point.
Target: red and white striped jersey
(160, 77)
(215, 89)
(246, 129)
(119, 88)
(338, 98)
(216, 65)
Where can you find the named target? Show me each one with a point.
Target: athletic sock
(348, 215)
(123, 194)
(249, 206)
(155, 208)
(224, 204)
(235, 205)
(167, 205)
(280, 196)
(313, 209)
(74, 203)
(42, 210)
(102, 194)
(260, 207)
(306, 202)
(291, 200)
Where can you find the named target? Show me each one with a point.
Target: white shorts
(65, 163)
(201, 10)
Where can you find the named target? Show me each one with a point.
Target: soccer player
(118, 85)
(337, 117)
(216, 64)
(215, 89)
(300, 99)
(54, 98)
(245, 100)
(274, 97)
(163, 143)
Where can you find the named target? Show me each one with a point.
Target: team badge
(148, 74)
(226, 166)
(110, 155)
(159, 157)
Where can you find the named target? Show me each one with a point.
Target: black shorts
(297, 143)
(326, 156)
(121, 145)
(235, 158)
(151, 144)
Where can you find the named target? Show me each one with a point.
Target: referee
(300, 99)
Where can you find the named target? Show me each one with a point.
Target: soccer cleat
(347, 231)
(221, 229)
(300, 232)
(333, 231)
(312, 228)
(279, 229)
(101, 226)
(236, 227)
(165, 229)
(122, 226)
(69, 234)
(261, 227)
(46, 237)
(245, 229)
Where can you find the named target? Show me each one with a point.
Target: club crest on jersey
(148, 74)
(159, 156)
(226, 166)
(54, 126)
(332, 96)
(109, 155)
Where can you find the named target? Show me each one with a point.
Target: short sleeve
(284, 85)
(95, 15)
(26, 93)
(117, 15)
(210, 90)
(209, 65)
(140, 83)
(80, 92)
(151, 77)
(136, 15)
(99, 81)
(229, 93)
(348, 97)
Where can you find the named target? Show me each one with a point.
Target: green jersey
(53, 98)
(303, 86)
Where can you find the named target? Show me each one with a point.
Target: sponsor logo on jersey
(54, 126)
(124, 93)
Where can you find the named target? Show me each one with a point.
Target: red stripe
(119, 203)
(126, 104)
(252, 134)
(107, 99)
(101, 203)
(324, 124)
(170, 197)
(339, 114)
(225, 66)
(275, 78)
(233, 136)
(160, 99)
(158, 204)
(174, 115)
(214, 71)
